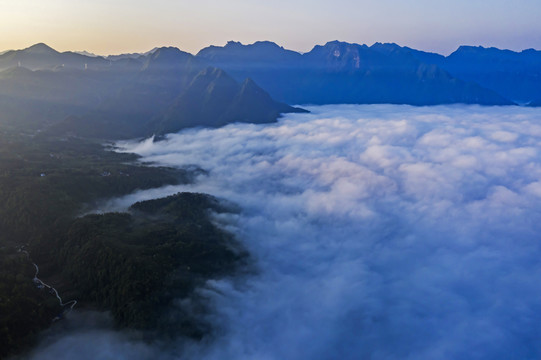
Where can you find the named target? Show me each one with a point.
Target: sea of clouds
(378, 232)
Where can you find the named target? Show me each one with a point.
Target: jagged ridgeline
(340, 72)
(124, 97)
(137, 263)
(167, 89)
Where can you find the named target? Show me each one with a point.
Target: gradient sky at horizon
(116, 26)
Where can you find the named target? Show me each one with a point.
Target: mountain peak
(41, 48)
(335, 43)
(267, 43)
(233, 44)
(467, 50)
(336, 46)
(258, 44)
(343, 44)
(169, 50)
(250, 55)
(470, 48)
(385, 46)
(167, 57)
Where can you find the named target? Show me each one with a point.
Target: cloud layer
(379, 232)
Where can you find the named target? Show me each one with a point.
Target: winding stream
(40, 282)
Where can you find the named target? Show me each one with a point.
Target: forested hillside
(116, 262)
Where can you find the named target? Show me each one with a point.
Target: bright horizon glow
(119, 26)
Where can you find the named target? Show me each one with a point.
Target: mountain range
(166, 89)
(132, 96)
(514, 75)
(340, 72)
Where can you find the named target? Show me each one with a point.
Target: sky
(118, 26)
(380, 232)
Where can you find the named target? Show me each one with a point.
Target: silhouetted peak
(232, 43)
(336, 43)
(256, 45)
(266, 44)
(463, 50)
(470, 48)
(336, 48)
(41, 48)
(531, 51)
(338, 54)
(466, 50)
(344, 44)
(385, 47)
(169, 52)
(167, 58)
(258, 52)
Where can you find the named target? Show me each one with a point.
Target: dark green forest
(132, 264)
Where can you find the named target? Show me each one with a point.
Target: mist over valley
(254, 202)
(377, 231)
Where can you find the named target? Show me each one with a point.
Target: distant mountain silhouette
(130, 55)
(339, 72)
(165, 90)
(255, 55)
(514, 75)
(41, 57)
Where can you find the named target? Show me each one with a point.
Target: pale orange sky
(116, 26)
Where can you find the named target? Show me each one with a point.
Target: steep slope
(214, 99)
(161, 76)
(269, 65)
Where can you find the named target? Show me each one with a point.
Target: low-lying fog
(379, 232)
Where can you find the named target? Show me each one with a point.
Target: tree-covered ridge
(136, 263)
(43, 180)
(119, 262)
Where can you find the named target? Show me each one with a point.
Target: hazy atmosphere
(380, 232)
(215, 180)
(110, 27)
